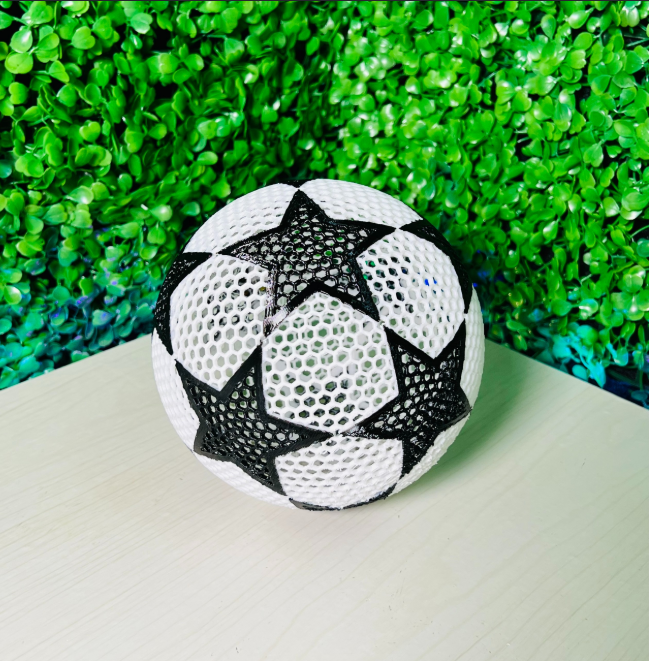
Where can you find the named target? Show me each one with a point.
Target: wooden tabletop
(529, 541)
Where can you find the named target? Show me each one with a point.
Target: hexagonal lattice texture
(341, 471)
(327, 366)
(260, 210)
(415, 289)
(473, 351)
(434, 454)
(217, 315)
(241, 481)
(173, 395)
(345, 200)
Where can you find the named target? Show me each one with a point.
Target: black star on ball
(310, 252)
(184, 264)
(234, 425)
(430, 398)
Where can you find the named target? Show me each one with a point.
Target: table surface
(529, 541)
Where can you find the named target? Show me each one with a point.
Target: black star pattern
(424, 230)
(310, 252)
(296, 183)
(234, 425)
(182, 266)
(430, 398)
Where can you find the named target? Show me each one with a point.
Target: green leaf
(578, 18)
(141, 22)
(194, 62)
(82, 195)
(57, 70)
(48, 42)
(19, 93)
(635, 201)
(232, 50)
(540, 85)
(560, 307)
(12, 295)
(610, 206)
(90, 131)
(162, 212)
(207, 158)
(22, 40)
(30, 166)
(129, 230)
(548, 25)
(83, 39)
(600, 84)
(19, 63)
(5, 20)
(633, 62)
(39, 13)
(594, 155)
(583, 41)
(134, 140)
(221, 188)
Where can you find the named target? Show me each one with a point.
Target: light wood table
(529, 541)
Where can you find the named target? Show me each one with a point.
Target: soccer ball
(318, 345)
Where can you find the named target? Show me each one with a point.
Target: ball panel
(236, 478)
(474, 351)
(173, 396)
(255, 212)
(344, 200)
(434, 454)
(217, 316)
(341, 471)
(327, 366)
(415, 289)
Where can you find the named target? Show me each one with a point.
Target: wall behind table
(519, 128)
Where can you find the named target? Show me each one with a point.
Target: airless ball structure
(318, 345)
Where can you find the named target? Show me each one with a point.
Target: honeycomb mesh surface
(253, 213)
(236, 427)
(237, 478)
(430, 398)
(217, 316)
(327, 366)
(184, 264)
(428, 232)
(172, 393)
(345, 200)
(340, 471)
(432, 456)
(309, 252)
(474, 351)
(415, 288)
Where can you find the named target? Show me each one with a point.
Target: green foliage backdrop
(520, 128)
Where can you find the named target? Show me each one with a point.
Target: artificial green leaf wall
(519, 128)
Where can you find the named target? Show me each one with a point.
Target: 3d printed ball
(318, 345)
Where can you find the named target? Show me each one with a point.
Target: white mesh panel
(342, 471)
(344, 200)
(434, 454)
(415, 289)
(474, 352)
(235, 477)
(327, 366)
(257, 211)
(217, 315)
(173, 396)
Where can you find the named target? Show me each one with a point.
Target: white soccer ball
(318, 345)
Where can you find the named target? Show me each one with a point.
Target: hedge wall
(520, 128)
